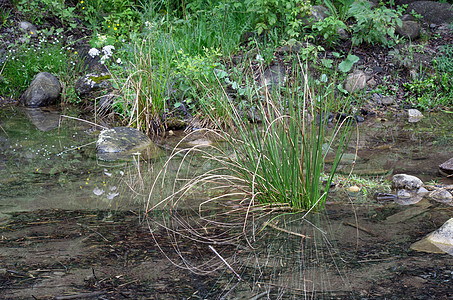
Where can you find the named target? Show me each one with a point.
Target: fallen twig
(81, 295)
(360, 228)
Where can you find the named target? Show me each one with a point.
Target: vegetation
(200, 58)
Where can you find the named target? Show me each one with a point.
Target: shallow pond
(72, 225)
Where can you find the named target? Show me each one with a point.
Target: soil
(57, 254)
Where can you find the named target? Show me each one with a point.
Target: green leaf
(346, 65)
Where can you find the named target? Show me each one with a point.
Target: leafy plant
(328, 28)
(346, 65)
(374, 25)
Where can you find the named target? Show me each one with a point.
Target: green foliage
(374, 25)
(283, 15)
(283, 161)
(39, 11)
(339, 8)
(328, 28)
(444, 62)
(115, 18)
(431, 92)
(346, 65)
(45, 53)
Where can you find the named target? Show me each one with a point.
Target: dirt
(57, 254)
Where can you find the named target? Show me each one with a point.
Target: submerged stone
(406, 197)
(439, 241)
(414, 115)
(121, 142)
(43, 120)
(441, 195)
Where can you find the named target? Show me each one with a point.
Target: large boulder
(44, 90)
(432, 12)
(122, 142)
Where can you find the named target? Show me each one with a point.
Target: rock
(432, 12)
(446, 168)
(317, 13)
(439, 241)
(274, 76)
(387, 100)
(409, 29)
(29, 28)
(88, 84)
(404, 181)
(407, 197)
(343, 34)
(355, 81)
(441, 195)
(443, 235)
(414, 115)
(122, 142)
(44, 90)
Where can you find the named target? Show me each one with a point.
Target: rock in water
(414, 115)
(404, 181)
(121, 142)
(44, 90)
(441, 195)
(439, 241)
(446, 168)
(443, 235)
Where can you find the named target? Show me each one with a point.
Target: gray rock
(317, 13)
(404, 181)
(28, 28)
(44, 90)
(355, 81)
(414, 115)
(443, 235)
(387, 100)
(407, 197)
(409, 29)
(446, 168)
(441, 195)
(439, 241)
(90, 83)
(121, 142)
(432, 12)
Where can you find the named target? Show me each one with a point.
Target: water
(358, 247)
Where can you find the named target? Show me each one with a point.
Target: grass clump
(278, 162)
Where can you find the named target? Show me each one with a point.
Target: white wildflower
(102, 38)
(118, 61)
(94, 52)
(108, 50)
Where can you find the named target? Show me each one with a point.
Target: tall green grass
(282, 160)
(278, 162)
